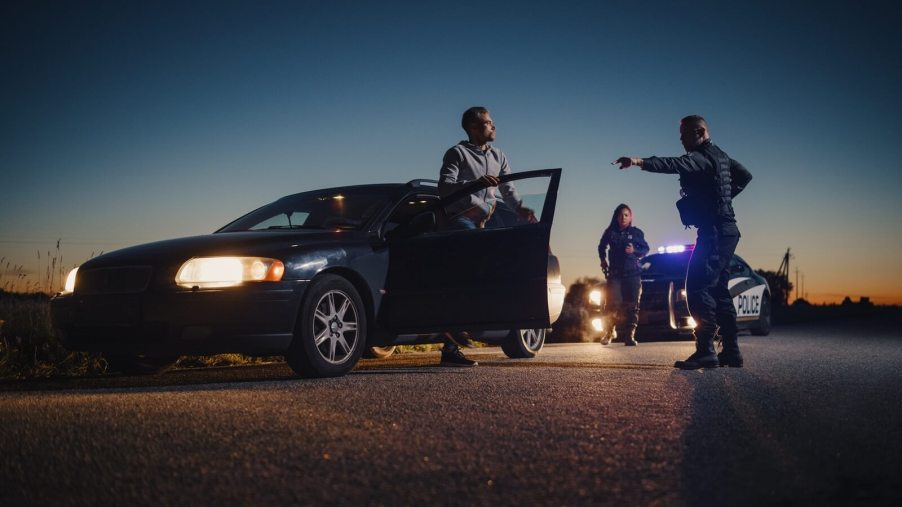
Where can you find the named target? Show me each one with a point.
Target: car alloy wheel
(331, 331)
(335, 327)
(532, 338)
(523, 343)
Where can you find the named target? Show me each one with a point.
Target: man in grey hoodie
(476, 160)
(468, 161)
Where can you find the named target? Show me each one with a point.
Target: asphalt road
(813, 419)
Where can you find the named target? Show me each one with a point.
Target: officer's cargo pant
(623, 297)
(706, 285)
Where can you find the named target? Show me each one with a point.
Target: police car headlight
(595, 297)
(690, 322)
(681, 295)
(596, 325)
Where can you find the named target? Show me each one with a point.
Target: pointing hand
(627, 161)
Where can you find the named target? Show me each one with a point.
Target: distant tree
(780, 287)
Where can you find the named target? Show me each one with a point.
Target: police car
(663, 306)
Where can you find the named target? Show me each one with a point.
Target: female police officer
(620, 249)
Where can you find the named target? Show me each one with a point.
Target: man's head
(693, 132)
(477, 123)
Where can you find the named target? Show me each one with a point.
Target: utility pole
(784, 272)
(797, 284)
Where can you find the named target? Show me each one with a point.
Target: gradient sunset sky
(129, 122)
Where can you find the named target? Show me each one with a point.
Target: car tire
(378, 352)
(330, 334)
(524, 343)
(138, 365)
(763, 327)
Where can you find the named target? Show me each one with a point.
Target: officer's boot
(608, 335)
(704, 356)
(730, 355)
(629, 338)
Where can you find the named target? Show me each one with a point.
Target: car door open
(496, 277)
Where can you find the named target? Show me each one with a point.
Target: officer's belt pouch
(692, 210)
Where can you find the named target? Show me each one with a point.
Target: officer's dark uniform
(710, 178)
(624, 286)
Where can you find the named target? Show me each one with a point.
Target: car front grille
(117, 280)
(655, 296)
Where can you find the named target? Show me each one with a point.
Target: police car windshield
(674, 264)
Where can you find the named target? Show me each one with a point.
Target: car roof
(419, 184)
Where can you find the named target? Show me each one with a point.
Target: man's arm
(508, 191)
(689, 163)
(739, 177)
(452, 177)
(449, 178)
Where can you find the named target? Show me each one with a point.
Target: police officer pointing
(709, 179)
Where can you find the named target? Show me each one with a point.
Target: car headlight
(597, 325)
(210, 272)
(595, 297)
(69, 287)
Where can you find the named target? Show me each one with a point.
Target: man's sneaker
(731, 359)
(456, 358)
(697, 361)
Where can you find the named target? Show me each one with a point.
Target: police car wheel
(763, 327)
(523, 343)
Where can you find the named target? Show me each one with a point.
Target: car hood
(260, 243)
(660, 277)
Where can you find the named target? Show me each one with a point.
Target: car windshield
(666, 264)
(348, 209)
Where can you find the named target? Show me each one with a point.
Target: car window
(739, 268)
(282, 221)
(335, 209)
(530, 192)
(407, 209)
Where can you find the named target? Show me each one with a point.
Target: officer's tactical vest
(703, 203)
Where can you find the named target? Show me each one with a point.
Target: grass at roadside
(29, 346)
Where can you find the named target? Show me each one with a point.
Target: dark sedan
(322, 276)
